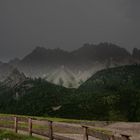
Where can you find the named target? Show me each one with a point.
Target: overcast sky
(25, 24)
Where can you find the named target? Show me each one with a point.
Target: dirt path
(76, 136)
(132, 129)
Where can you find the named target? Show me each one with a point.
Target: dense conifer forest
(111, 94)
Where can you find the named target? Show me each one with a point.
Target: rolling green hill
(113, 79)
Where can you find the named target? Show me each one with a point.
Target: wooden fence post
(30, 126)
(16, 124)
(50, 123)
(85, 135)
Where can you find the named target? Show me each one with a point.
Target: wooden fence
(47, 128)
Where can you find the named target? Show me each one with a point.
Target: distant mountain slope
(113, 79)
(63, 77)
(80, 64)
(41, 56)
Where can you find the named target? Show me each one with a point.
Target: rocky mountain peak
(39, 49)
(15, 78)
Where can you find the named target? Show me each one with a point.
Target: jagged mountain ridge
(80, 63)
(101, 52)
(87, 54)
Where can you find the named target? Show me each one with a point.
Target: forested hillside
(111, 94)
(113, 79)
(114, 93)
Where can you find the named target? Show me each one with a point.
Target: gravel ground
(132, 129)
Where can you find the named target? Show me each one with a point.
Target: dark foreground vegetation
(111, 94)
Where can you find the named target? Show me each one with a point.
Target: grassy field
(43, 127)
(50, 118)
(9, 135)
(65, 126)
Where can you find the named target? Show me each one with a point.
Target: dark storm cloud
(68, 24)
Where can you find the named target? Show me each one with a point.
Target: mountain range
(70, 69)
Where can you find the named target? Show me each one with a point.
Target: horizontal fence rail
(47, 129)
